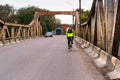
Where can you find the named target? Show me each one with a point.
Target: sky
(52, 5)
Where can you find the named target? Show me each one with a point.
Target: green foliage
(25, 15)
(49, 23)
(7, 13)
(84, 15)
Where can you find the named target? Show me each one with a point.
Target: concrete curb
(101, 61)
(95, 52)
(115, 74)
(108, 63)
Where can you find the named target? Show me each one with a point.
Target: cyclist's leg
(68, 42)
(71, 42)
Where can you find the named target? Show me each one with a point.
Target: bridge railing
(109, 64)
(10, 32)
(100, 36)
(102, 28)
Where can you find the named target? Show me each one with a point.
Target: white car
(49, 34)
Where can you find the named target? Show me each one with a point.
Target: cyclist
(70, 35)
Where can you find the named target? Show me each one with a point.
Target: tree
(84, 15)
(49, 22)
(7, 13)
(25, 15)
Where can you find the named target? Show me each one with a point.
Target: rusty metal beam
(1, 21)
(57, 13)
(16, 25)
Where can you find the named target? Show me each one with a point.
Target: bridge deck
(46, 59)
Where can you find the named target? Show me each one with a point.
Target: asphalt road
(46, 59)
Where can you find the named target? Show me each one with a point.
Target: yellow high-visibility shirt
(70, 34)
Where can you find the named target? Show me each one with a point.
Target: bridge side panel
(92, 29)
(116, 29)
(100, 25)
(77, 22)
(109, 19)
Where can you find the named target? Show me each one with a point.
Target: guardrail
(10, 32)
(108, 63)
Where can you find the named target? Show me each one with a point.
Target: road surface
(46, 59)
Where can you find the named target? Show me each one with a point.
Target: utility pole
(73, 18)
(79, 31)
(80, 11)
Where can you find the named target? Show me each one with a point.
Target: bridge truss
(10, 32)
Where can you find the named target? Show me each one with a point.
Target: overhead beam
(57, 13)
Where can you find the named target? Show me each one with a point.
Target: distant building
(60, 30)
